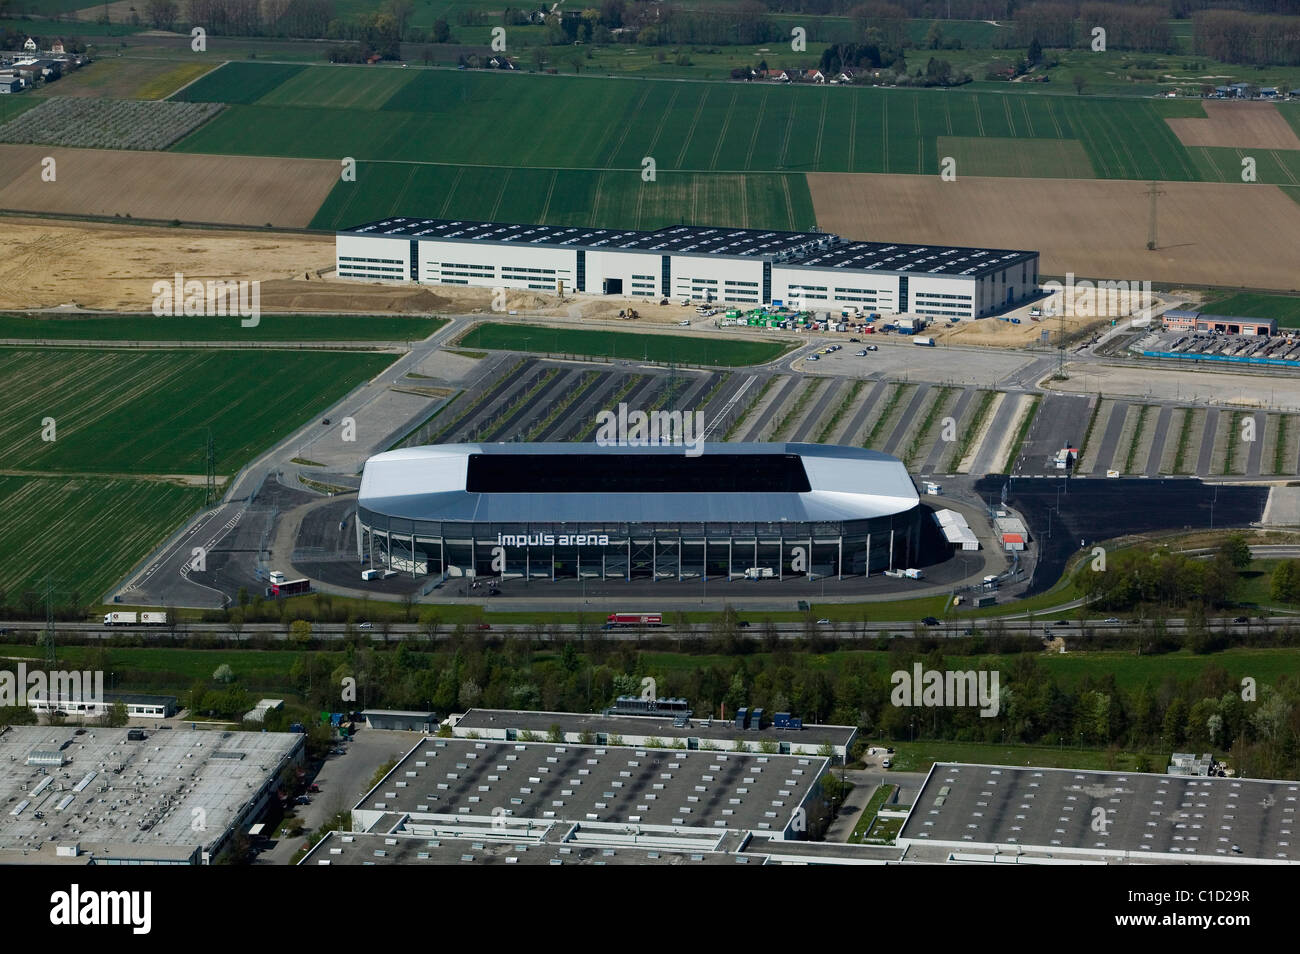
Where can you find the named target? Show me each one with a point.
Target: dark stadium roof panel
(585, 483)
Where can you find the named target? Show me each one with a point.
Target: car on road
(743, 624)
(484, 626)
(365, 625)
(326, 421)
(1110, 619)
(860, 354)
(813, 357)
(1062, 622)
(823, 622)
(872, 348)
(855, 341)
(930, 621)
(1241, 619)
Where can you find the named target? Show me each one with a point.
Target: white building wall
(735, 280)
(373, 258)
(832, 288)
(484, 265)
(639, 273)
(943, 296)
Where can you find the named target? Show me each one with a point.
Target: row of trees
(1243, 38)
(1209, 711)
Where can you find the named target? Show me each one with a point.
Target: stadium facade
(811, 270)
(552, 511)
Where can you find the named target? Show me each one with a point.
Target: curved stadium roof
(585, 482)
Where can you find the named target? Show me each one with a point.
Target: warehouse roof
(1132, 813)
(460, 778)
(811, 483)
(795, 249)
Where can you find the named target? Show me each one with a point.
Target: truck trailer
(135, 619)
(924, 342)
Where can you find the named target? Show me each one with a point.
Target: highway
(547, 632)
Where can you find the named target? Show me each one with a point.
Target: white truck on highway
(923, 342)
(135, 619)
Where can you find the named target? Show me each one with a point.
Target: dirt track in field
(1237, 126)
(1209, 233)
(226, 190)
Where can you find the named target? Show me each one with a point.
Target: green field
(239, 83)
(569, 122)
(97, 526)
(1020, 158)
(678, 349)
(269, 328)
(1282, 307)
(148, 412)
(616, 199)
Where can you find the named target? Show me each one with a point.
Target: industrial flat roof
(346, 848)
(107, 788)
(650, 726)
(1197, 818)
(583, 783)
(431, 484)
(923, 259)
(795, 249)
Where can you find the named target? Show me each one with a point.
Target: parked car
(855, 341)
(813, 357)
(872, 348)
(861, 354)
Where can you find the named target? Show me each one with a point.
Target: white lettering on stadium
(552, 540)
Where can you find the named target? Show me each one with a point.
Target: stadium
(732, 265)
(568, 510)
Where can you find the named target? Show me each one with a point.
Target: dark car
(484, 625)
(743, 624)
(930, 621)
(855, 340)
(1062, 622)
(1241, 619)
(326, 421)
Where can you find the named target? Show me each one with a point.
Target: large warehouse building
(545, 511)
(741, 266)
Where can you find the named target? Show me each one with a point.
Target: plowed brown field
(226, 190)
(1209, 233)
(1237, 126)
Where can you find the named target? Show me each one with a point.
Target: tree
(1284, 585)
(162, 13)
(1080, 81)
(555, 733)
(223, 674)
(1236, 550)
(300, 631)
(441, 31)
(469, 695)
(116, 716)
(1035, 53)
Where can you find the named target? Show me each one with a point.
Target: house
(1221, 91)
(812, 76)
(1268, 92)
(843, 76)
(57, 47)
(1240, 90)
(10, 83)
(778, 76)
(500, 63)
(30, 45)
